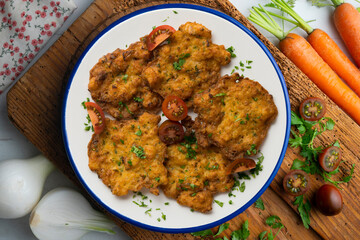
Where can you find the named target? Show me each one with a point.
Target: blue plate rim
(286, 139)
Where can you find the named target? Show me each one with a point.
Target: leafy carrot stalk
(327, 49)
(347, 22)
(300, 52)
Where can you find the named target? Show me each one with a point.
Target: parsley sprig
(182, 58)
(307, 132)
(275, 223)
(241, 234)
(304, 209)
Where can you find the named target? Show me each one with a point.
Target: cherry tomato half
(97, 116)
(330, 158)
(171, 132)
(240, 165)
(174, 108)
(296, 182)
(312, 109)
(158, 35)
(329, 200)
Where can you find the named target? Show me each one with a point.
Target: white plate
(226, 31)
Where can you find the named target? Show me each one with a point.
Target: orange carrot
(347, 23)
(300, 52)
(327, 49)
(337, 60)
(303, 55)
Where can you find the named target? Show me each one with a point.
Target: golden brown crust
(193, 181)
(129, 155)
(188, 64)
(117, 86)
(234, 115)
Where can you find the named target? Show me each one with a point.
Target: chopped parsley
(221, 204)
(177, 65)
(138, 132)
(121, 104)
(175, 12)
(141, 204)
(139, 151)
(190, 140)
(125, 77)
(138, 99)
(157, 179)
(148, 212)
(231, 50)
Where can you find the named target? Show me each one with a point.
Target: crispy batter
(234, 115)
(193, 180)
(117, 86)
(129, 155)
(188, 64)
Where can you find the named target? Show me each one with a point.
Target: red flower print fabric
(25, 26)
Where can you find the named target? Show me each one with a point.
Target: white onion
(65, 214)
(21, 185)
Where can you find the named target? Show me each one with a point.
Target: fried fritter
(188, 64)
(117, 86)
(234, 115)
(129, 155)
(195, 175)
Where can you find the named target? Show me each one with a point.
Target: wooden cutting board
(34, 107)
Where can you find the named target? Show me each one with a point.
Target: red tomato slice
(330, 158)
(158, 35)
(240, 165)
(97, 116)
(312, 109)
(296, 182)
(174, 108)
(171, 132)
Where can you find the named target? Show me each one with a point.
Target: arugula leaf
(304, 210)
(259, 204)
(241, 234)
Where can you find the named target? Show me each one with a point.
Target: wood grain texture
(34, 106)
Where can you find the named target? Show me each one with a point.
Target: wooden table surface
(39, 120)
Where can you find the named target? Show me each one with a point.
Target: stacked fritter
(234, 115)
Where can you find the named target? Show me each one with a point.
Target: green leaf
(203, 233)
(274, 222)
(241, 234)
(336, 144)
(330, 123)
(222, 228)
(221, 204)
(242, 187)
(262, 235)
(304, 210)
(297, 164)
(349, 177)
(295, 119)
(259, 204)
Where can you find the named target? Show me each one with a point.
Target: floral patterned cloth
(25, 26)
